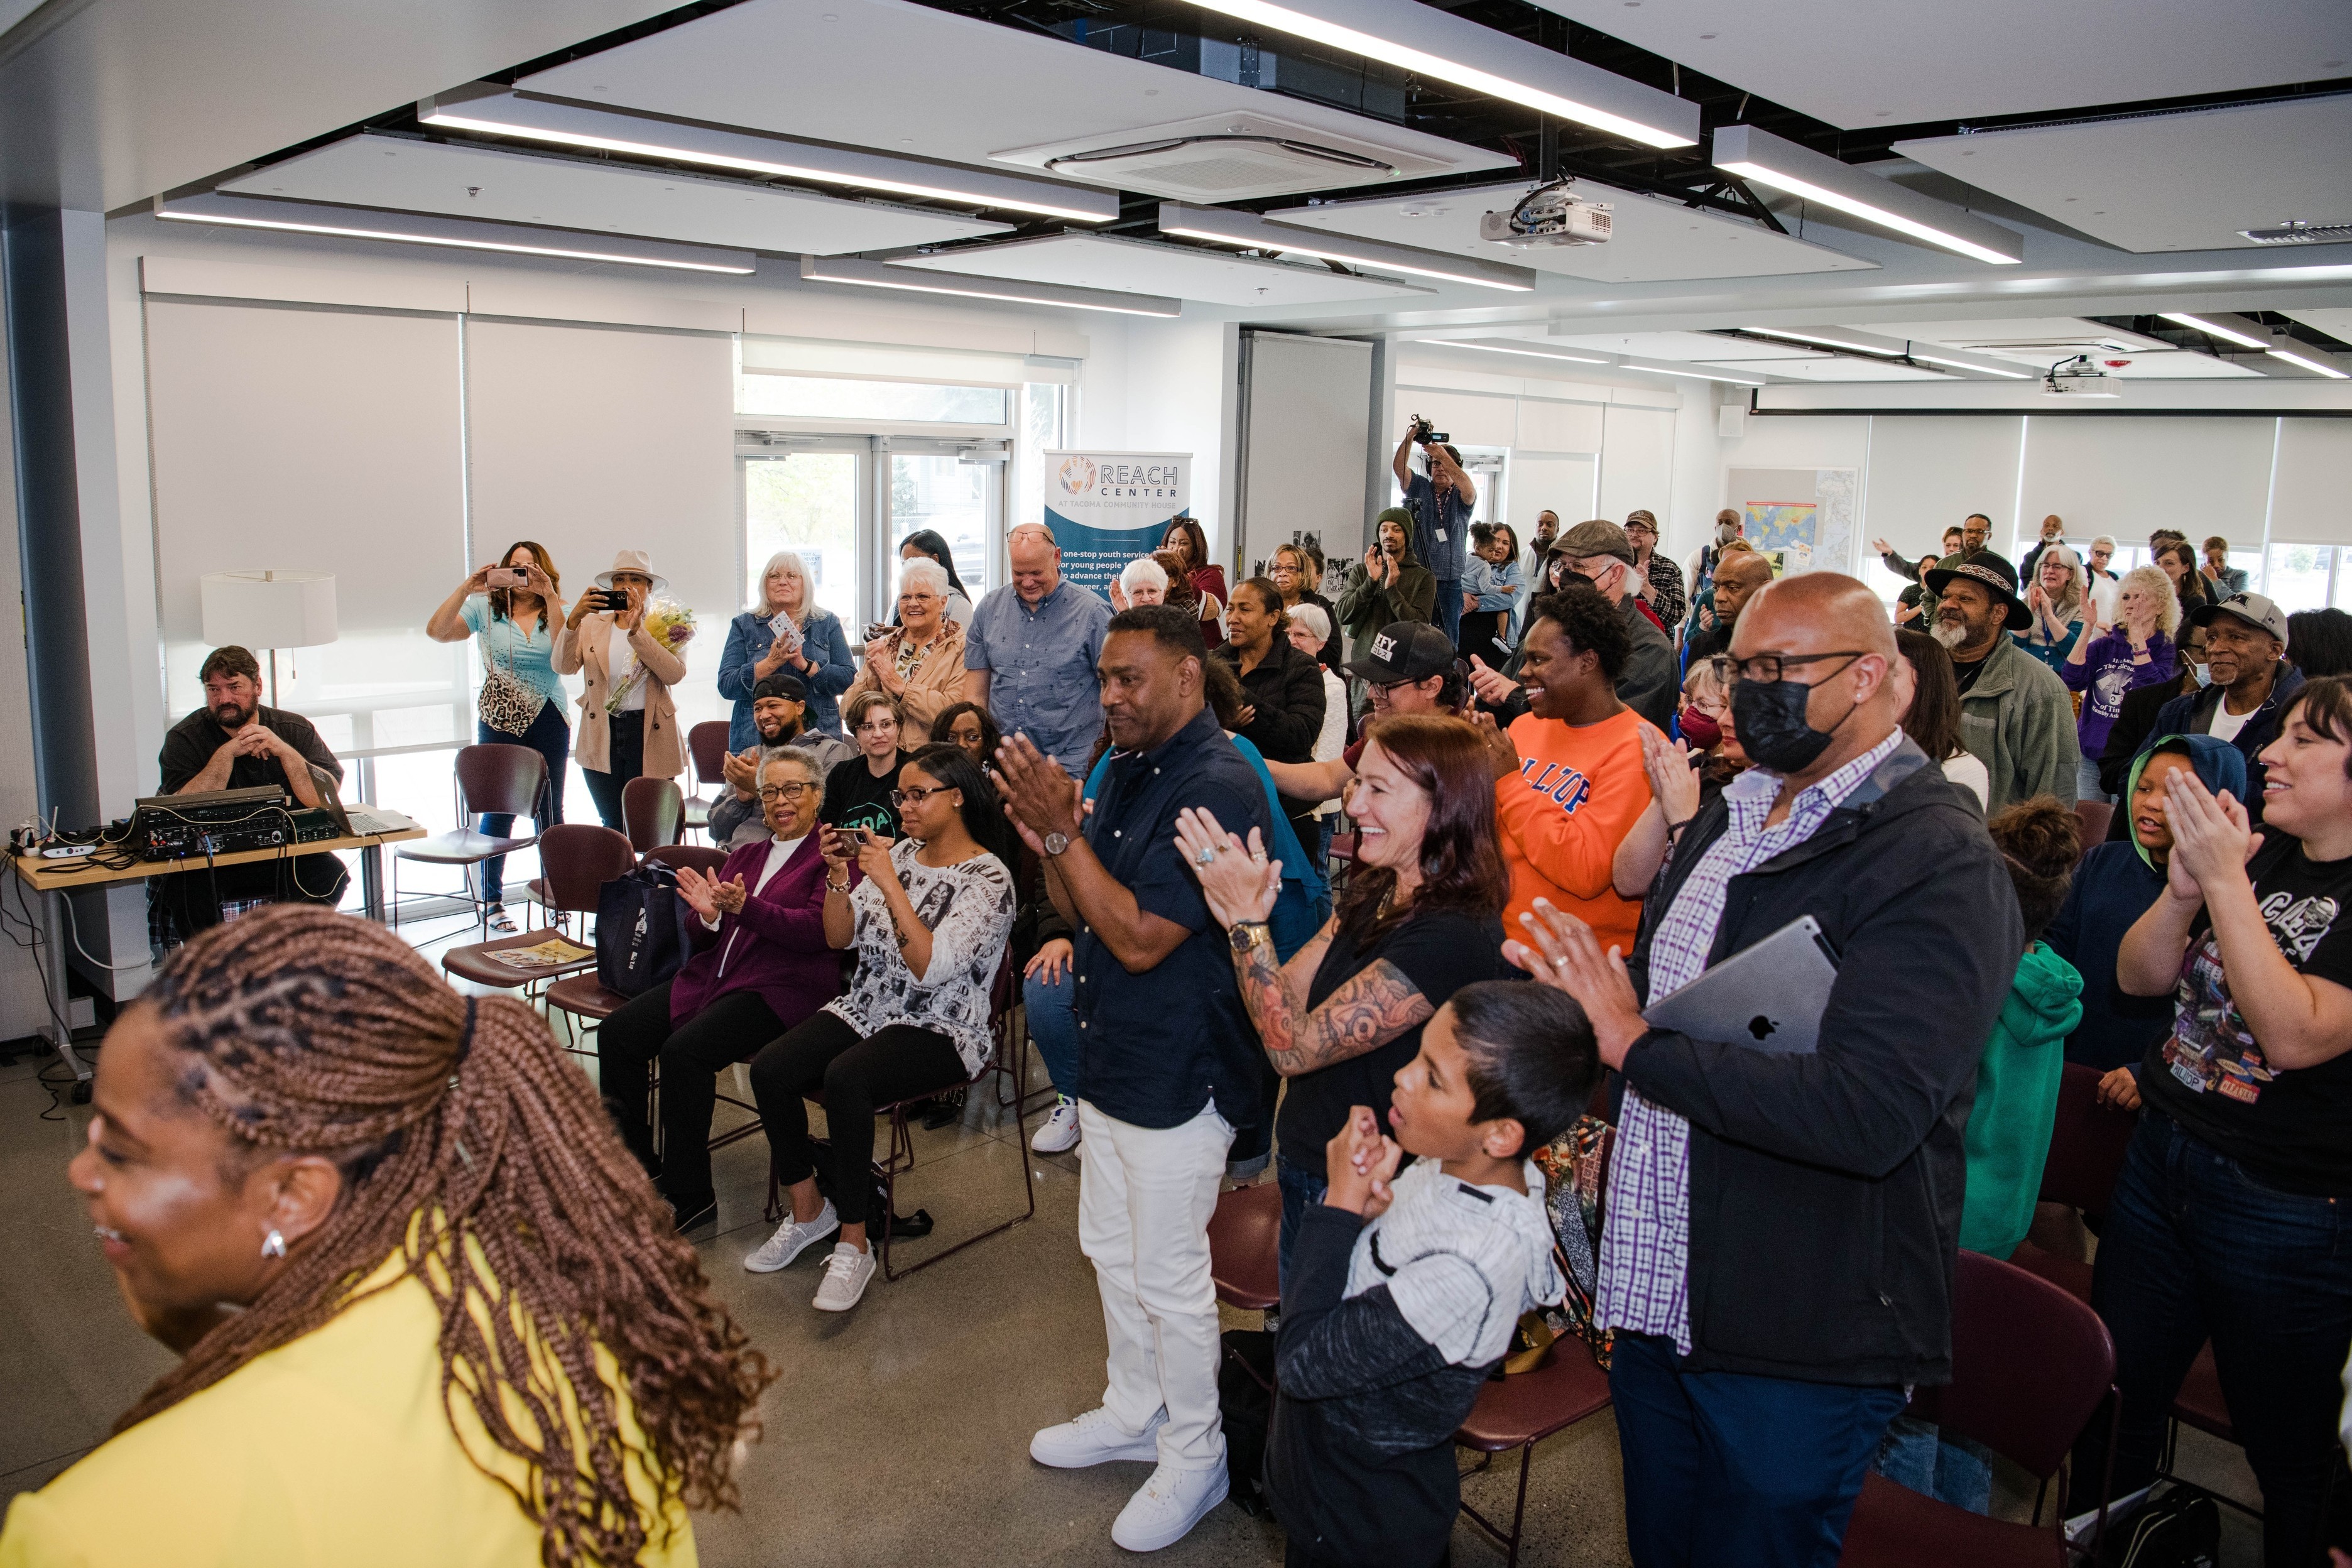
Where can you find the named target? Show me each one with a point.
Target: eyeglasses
(772, 793)
(1768, 667)
(903, 798)
(879, 727)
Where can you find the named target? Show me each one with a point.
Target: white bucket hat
(635, 561)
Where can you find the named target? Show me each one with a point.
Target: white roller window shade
(320, 440)
(1926, 474)
(2127, 477)
(1567, 485)
(593, 440)
(884, 362)
(2312, 499)
(1309, 424)
(1637, 463)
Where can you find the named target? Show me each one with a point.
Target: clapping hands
(1360, 1164)
(708, 895)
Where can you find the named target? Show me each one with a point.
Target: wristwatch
(1243, 933)
(1056, 843)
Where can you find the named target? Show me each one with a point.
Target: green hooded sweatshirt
(2017, 1102)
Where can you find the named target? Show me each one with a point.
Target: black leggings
(691, 1055)
(628, 761)
(852, 1075)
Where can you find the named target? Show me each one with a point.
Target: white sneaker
(1095, 1439)
(1060, 1133)
(846, 1273)
(792, 1238)
(1171, 1503)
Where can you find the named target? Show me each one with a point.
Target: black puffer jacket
(1825, 1189)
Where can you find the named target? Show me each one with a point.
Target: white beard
(1950, 634)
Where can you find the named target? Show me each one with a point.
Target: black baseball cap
(788, 687)
(1989, 570)
(1404, 650)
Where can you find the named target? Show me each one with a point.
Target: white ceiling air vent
(1225, 158)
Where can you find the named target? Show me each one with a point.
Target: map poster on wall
(1107, 507)
(1800, 518)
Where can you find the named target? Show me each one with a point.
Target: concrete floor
(897, 1433)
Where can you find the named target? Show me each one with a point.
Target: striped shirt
(1644, 1283)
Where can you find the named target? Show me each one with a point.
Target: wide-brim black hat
(1989, 571)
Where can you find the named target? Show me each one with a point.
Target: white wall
(1169, 386)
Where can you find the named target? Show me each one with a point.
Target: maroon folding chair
(653, 812)
(1246, 1247)
(2087, 1143)
(706, 744)
(1008, 1020)
(2094, 816)
(2030, 1368)
(486, 778)
(1520, 1411)
(701, 856)
(576, 859)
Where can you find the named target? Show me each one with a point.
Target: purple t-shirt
(2106, 673)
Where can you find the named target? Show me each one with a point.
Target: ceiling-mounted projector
(2082, 376)
(1550, 214)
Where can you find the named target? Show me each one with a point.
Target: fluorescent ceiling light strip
(921, 280)
(1225, 228)
(1918, 352)
(1737, 377)
(505, 113)
(2211, 328)
(1767, 159)
(1429, 42)
(415, 229)
(1524, 353)
(1855, 345)
(2330, 372)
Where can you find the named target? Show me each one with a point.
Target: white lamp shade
(268, 609)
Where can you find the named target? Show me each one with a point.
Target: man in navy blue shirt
(1440, 502)
(1168, 1061)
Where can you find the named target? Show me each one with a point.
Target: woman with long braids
(430, 1310)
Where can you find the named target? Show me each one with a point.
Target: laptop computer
(358, 821)
(1769, 996)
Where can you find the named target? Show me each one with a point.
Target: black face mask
(1768, 717)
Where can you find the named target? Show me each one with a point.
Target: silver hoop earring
(274, 1244)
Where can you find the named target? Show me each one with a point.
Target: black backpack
(2178, 1528)
(1246, 1409)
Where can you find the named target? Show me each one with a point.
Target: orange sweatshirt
(1578, 793)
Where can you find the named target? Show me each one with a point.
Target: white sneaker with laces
(846, 1273)
(1169, 1505)
(1060, 1133)
(792, 1238)
(1095, 1439)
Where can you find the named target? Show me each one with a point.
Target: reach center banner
(1107, 507)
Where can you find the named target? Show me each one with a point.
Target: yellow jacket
(329, 1450)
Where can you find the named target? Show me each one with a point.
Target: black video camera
(1424, 436)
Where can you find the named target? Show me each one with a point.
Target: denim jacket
(827, 645)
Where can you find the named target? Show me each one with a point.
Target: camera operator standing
(1441, 502)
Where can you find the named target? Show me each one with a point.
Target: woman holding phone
(628, 724)
(787, 633)
(515, 608)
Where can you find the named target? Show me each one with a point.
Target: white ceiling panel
(1654, 240)
(2336, 324)
(2040, 340)
(573, 193)
(1139, 266)
(1857, 63)
(2181, 365)
(901, 77)
(1685, 346)
(2169, 182)
(1835, 369)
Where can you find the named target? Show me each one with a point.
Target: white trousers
(1145, 1196)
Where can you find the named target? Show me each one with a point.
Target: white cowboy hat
(635, 561)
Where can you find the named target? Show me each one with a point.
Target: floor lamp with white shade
(269, 610)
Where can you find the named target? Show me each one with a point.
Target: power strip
(67, 851)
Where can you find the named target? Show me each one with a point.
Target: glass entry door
(806, 501)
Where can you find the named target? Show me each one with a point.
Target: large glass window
(805, 502)
(1045, 426)
(2302, 576)
(951, 497)
(833, 397)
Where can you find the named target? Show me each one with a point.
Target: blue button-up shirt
(1441, 528)
(1645, 1276)
(1041, 663)
(1155, 1048)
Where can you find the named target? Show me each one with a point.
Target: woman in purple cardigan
(2112, 657)
(760, 966)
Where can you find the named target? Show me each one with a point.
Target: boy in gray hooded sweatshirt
(1404, 1289)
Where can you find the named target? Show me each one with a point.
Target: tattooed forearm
(1368, 1012)
(1271, 1006)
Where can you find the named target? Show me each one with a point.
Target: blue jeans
(2194, 1247)
(1303, 1188)
(1728, 1470)
(551, 736)
(1054, 1024)
(1918, 1454)
(1449, 608)
(2086, 782)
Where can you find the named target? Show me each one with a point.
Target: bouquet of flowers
(668, 623)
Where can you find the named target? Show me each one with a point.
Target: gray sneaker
(846, 1274)
(792, 1238)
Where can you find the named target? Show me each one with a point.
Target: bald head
(1838, 627)
(1036, 561)
(1736, 578)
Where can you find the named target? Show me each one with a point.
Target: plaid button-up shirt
(1645, 1284)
